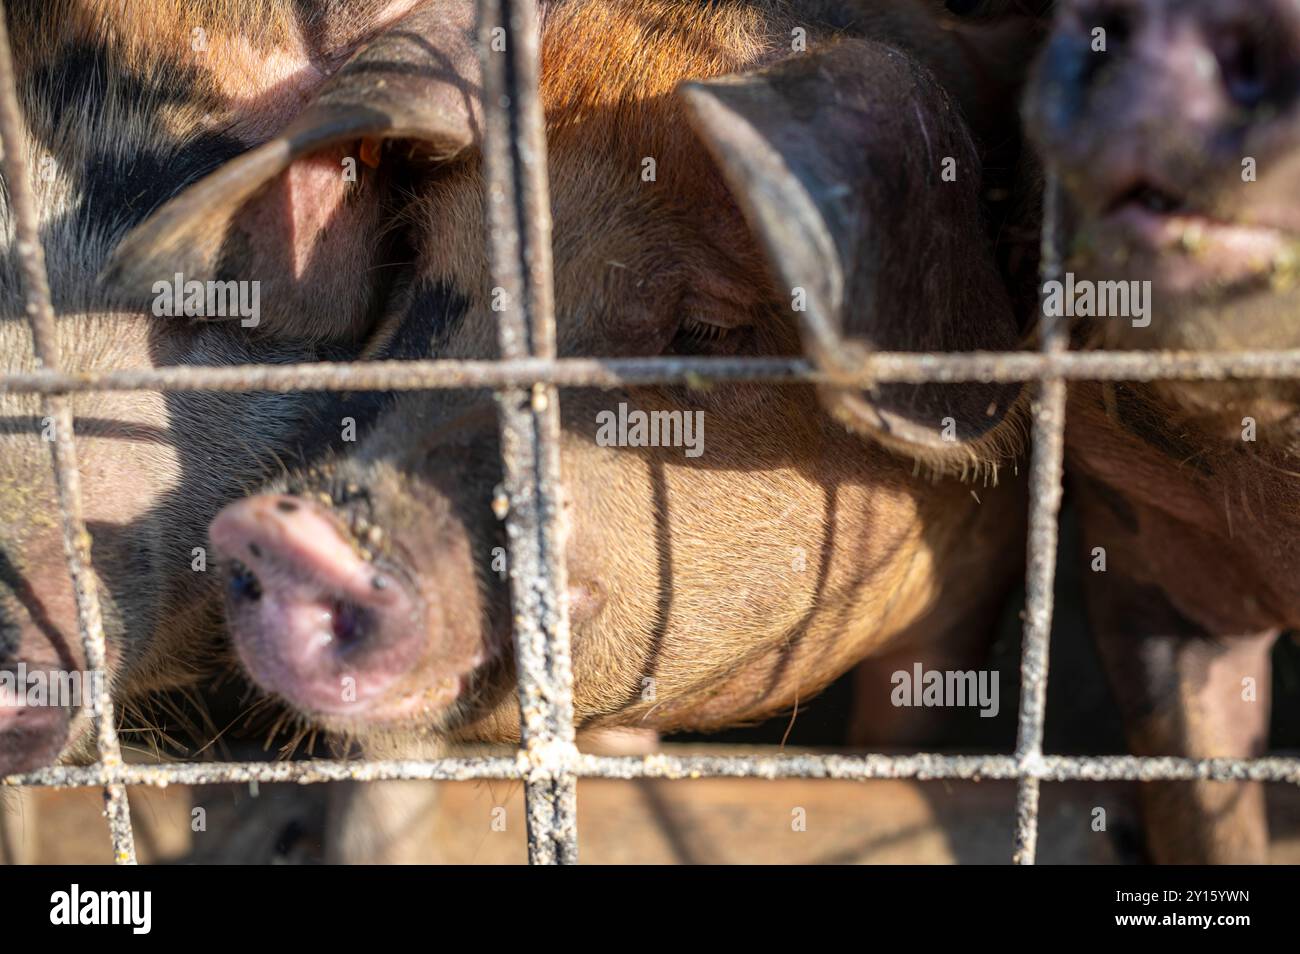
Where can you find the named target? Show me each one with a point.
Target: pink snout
(38, 696)
(31, 736)
(313, 620)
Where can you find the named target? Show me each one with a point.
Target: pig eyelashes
(700, 330)
(695, 336)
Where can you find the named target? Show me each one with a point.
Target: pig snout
(318, 623)
(33, 728)
(1174, 130)
(31, 736)
(42, 679)
(1150, 102)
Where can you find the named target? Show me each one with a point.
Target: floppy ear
(861, 183)
(301, 214)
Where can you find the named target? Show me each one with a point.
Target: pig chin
(1194, 264)
(346, 638)
(1231, 288)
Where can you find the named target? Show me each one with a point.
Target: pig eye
(697, 336)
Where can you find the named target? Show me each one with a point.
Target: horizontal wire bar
(303, 772)
(692, 371)
(923, 767)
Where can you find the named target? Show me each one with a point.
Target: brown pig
(706, 176)
(1175, 128)
(124, 106)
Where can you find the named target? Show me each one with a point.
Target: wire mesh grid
(525, 382)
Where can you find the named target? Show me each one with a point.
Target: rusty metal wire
(883, 367)
(922, 767)
(526, 382)
(1046, 470)
(58, 409)
(519, 245)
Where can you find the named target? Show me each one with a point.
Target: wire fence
(526, 382)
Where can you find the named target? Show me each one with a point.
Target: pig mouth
(337, 632)
(1151, 232)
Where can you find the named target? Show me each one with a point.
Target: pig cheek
(37, 604)
(125, 478)
(586, 600)
(121, 489)
(654, 586)
(456, 618)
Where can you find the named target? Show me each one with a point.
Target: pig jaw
(340, 629)
(1208, 283)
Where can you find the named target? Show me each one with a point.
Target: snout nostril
(348, 624)
(1243, 64)
(243, 584)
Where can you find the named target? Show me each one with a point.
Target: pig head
(706, 182)
(1175, 130)
(117, 121)
(1177, 143)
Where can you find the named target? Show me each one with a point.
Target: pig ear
(301, 213)
(861, 184)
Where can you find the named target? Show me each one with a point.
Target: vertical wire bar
(1046, 470)
(58, 408)
(519, 220)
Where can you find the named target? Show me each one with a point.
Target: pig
(125, 107)
(717, 581)
(1175, 131)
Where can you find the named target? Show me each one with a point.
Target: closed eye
(697, 336)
